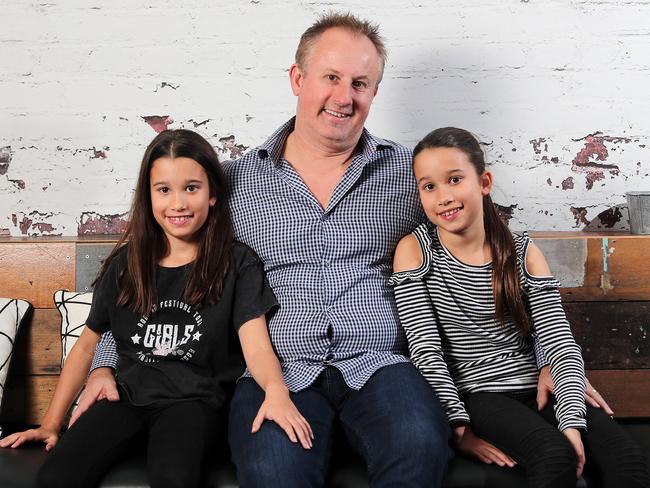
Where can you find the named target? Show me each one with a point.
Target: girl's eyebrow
(451, 171)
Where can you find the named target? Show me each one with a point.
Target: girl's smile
(450, 189)
(180, 197)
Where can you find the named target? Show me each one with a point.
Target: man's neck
(306, 153)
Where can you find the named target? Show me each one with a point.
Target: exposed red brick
(567, 184)
(592, 177)
(158, 123)
(537, 145)
(580, 214)
(236, 150)
(108, 224)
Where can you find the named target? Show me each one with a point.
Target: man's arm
(101, 381)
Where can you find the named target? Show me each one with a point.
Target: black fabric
(512, 423)
(180, 352)
(179, 436)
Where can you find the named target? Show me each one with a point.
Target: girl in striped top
(469, 295)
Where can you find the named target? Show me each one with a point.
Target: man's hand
(545, 389)
(100, 386)
(279, 408)
(573, 435)
(468, 443)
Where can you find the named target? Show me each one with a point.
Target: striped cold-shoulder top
(447, 310)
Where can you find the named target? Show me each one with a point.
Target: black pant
(512, 423)
(179, 436)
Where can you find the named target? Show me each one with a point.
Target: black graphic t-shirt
(180, 352)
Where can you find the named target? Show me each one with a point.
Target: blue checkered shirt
(328, 267)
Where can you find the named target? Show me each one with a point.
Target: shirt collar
(369, 145)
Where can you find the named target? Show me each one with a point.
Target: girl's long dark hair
(146, 242)
(508, 296)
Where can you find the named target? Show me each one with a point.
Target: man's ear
(486, 182)
(296, 76)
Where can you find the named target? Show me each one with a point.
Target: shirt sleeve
(425, 346)
(540, 357)
(99, 317)
(564, 355)
(105, 353)
(253, 294)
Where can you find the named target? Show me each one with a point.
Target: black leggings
(512, 423)
(179, 435)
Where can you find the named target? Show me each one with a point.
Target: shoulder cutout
(536, 264)
(408, 254)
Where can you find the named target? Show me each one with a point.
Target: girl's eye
(191, 188)
(454, 180)
(163, 189)
(428, 187)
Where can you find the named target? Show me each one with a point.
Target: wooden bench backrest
(606, 292)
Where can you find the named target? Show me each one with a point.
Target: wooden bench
(606, 291)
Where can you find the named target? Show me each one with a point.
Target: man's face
(336, 87)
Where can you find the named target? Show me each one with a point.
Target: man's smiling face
(336, 87)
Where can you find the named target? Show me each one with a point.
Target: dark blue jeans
(394, 422)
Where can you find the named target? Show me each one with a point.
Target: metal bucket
(638, 204)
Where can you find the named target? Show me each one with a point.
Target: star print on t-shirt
(170, 330)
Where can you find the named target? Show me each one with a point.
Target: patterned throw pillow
(12, 312)
(74, 307)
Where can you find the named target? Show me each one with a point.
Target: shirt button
(326, 263)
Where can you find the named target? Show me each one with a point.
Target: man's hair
(346, 21)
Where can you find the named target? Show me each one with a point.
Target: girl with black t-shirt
(182, 300)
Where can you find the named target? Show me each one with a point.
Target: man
(324, 203)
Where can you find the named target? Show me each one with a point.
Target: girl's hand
(49, 436)
(278, 407)
(573, 435)
(468, 443)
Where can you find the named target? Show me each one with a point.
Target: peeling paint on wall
(158, 123)
(229, 145)
(93, 223)
(610, 217)
(5, 159)
(505, 212)
(5, 233)
(594, 151)
(567, 184)
(580, 214)
(35, 223)
(20, 184)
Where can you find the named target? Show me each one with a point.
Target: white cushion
(12, 312)
(74, 307)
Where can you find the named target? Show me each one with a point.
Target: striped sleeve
(562, 352)
(419, 323)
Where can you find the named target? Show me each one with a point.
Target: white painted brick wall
(532, 78)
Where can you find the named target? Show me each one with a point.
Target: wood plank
(38, 346)
(626, 391)
(613, 335)
(27, 398)
(34, 272)
(615, 269)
